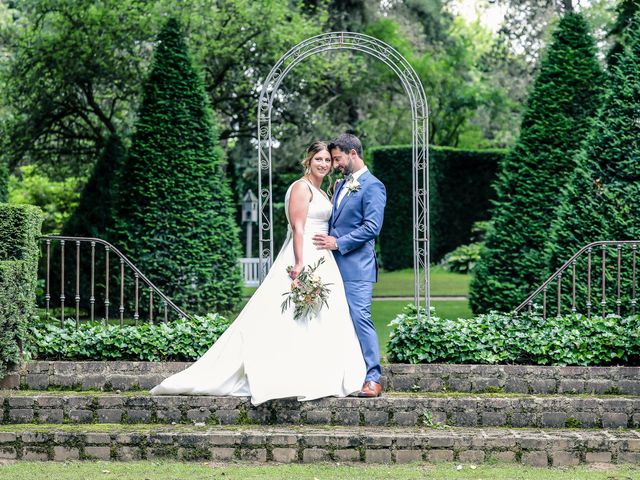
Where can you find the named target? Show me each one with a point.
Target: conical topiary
(625, 12)
(602, 199)
(94, 215)
(174, 216)
(562, 102)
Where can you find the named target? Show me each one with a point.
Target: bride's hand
(295, 271)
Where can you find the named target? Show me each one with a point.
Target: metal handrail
(123, 260)
(557, 275)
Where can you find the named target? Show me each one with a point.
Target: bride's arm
(298, 209)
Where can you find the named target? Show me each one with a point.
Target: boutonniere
(352, 186)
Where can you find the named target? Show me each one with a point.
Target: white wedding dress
(267, 354)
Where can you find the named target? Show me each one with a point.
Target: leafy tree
(72, 75)
(56, 199)
(562, 102)
(526, 23)
(174, 216)
(602, 198)
(71, 79)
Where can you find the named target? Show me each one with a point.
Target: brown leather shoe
(370, 389)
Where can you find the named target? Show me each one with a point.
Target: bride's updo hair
(314, 148)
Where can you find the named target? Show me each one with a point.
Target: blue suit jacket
(356, 223)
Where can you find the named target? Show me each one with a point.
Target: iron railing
(140, 282)
(608, 276)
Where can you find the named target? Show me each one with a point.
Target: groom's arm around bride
(356, 221)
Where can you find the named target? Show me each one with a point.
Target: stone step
(121, 375)
(393, 409)
(308, 444)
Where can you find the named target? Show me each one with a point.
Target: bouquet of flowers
(308, 294)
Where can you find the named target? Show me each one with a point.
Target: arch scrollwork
(420, 140)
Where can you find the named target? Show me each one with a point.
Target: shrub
(19, 230)
(463, 259)
(562, 103)
(497, 338)
(183, 340)
(459, 190)
(174, 214)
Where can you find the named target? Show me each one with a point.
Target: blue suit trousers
(359, 296)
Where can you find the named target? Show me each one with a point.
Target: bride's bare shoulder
(300, 190)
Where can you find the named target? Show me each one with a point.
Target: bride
(268, 354)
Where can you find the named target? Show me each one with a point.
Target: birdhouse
(249, 207)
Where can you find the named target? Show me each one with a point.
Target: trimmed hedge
(497, 338)
(181, 340)
(460, 194)
(174, 216)
(19, 231)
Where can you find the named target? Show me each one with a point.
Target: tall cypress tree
(602, 199)
(563, 99)
(93, 216)
(625, 12)
(174, 215)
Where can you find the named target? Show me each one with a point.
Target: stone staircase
(544, 416)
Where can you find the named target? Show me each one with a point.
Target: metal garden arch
(420, 164)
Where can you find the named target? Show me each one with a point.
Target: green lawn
(199, 471)
(400, 284)
(382, 312)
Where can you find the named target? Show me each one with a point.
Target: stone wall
(41, 375)
(391, 410)
(343, 445)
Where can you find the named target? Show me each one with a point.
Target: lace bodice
(319, 210)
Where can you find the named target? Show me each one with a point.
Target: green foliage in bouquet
(308, 294)
(560, 109)
(174, 217)
(497, 338)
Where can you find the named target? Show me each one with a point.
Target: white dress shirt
(343, 190)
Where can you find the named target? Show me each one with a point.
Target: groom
(356, 220)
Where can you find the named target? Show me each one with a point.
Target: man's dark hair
(346, 142)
